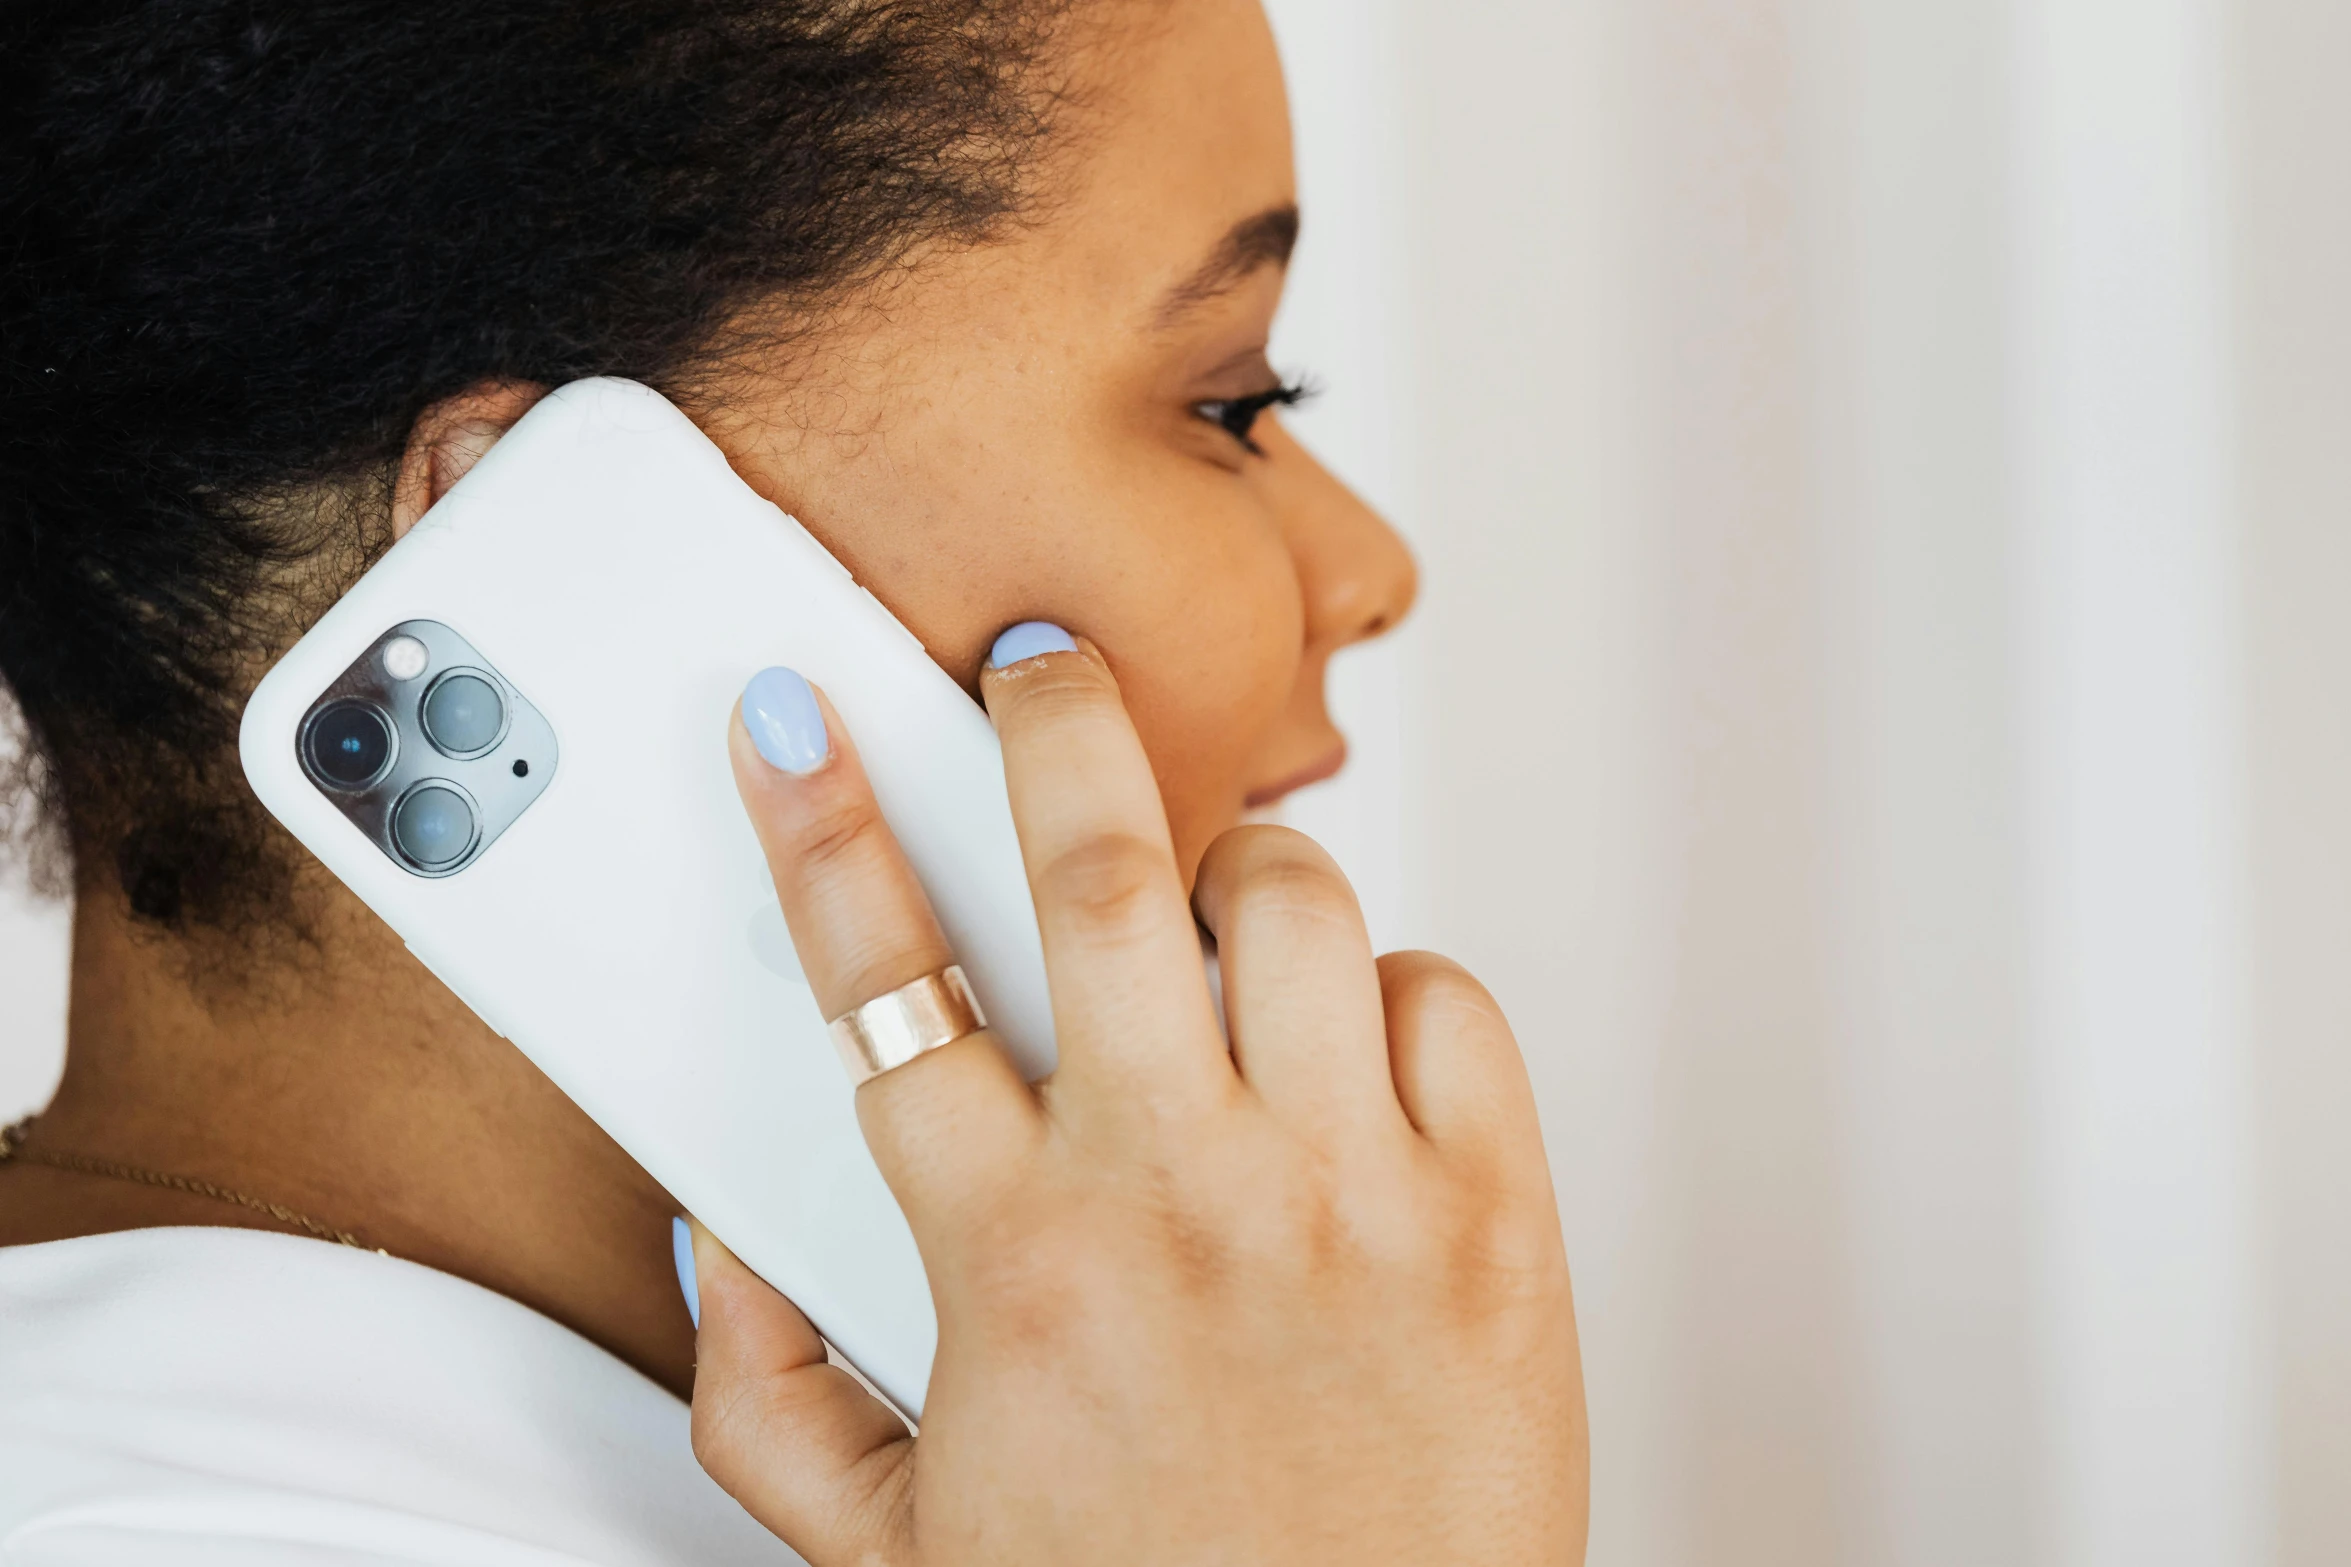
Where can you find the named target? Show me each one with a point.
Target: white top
(200, 1397)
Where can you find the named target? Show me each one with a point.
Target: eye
(1238, 415)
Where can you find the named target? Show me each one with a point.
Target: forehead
(1177, 131)
(1183, 131)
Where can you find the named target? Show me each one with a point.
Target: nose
(1354, 573)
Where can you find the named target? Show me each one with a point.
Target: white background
(1880, 716)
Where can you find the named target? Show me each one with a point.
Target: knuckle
(1427, 983)
(739, 1422)
(1271, 840)
(1044, 1278)
(1205, 1248)
(1110, 880)
(1318, 1230)
(1286, 882)
(1506, 1252)
(836, 835)
(1292, 1209)
(1260, 871)
(721, 1427)
(1240, 851)
(1238, 848)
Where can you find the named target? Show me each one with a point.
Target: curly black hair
(247, 242)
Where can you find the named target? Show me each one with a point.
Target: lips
(1328, 767)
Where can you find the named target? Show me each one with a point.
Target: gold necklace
(12, 1147)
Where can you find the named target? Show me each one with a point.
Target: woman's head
(962, 284)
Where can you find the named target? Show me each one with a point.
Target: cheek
(1206, 644)
(1173, 569)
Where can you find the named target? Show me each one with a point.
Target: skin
(996, 435)
(1299, 1298)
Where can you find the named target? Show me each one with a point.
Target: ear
(449, 438)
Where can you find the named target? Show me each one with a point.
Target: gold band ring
(915, 1019)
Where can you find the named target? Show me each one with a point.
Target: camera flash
(405, 658)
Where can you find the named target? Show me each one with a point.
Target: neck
(346, 1084)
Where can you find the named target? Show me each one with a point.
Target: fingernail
(780, 710)
(1030, 639)
(681, 1246)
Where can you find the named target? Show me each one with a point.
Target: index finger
(863, 927)
(1130, 999)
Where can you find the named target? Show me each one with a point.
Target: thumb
(824, 1464)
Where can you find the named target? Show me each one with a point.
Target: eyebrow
(1265, 240)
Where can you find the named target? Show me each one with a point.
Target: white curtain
(1881, 717)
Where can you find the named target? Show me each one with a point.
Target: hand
(1302, 1301)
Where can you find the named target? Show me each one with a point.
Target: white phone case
(623, 932)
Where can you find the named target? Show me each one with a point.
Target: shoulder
(196, 1394)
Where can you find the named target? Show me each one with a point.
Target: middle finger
(1130, 999)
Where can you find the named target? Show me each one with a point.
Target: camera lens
(433, 825)
(349, 744)
(464, 715)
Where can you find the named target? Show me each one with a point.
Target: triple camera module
(427, 748)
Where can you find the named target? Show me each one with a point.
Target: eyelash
(1238, 415)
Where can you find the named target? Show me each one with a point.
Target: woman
(981, 292)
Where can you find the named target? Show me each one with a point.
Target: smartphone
(509, 740)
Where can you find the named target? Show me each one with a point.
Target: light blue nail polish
(1030, 639)
(681, 1246)
(785, 723)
